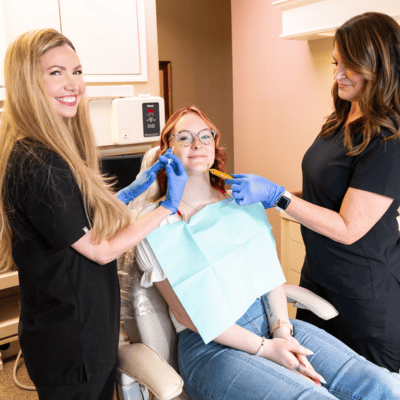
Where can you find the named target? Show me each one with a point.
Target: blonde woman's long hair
(28, 114)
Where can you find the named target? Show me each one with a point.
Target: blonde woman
(61, 224)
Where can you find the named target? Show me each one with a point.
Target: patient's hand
(284, 333)
(289, 353)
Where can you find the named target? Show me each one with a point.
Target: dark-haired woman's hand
(251, 189)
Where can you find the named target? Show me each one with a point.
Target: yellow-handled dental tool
(220, 174)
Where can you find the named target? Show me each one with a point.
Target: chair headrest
(148, 158)
(153, 193)
(126, 262)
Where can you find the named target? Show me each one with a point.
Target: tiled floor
(8, 389)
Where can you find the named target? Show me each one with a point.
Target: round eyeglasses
(186, 138)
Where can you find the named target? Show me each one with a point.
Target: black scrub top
(69, 304)
(359, 270)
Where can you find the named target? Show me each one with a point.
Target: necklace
(183, 217)
(194, 208)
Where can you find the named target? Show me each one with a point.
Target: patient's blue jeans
(216, 372)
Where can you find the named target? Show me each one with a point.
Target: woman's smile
(68, 100)
(197, 155)
(63, 80)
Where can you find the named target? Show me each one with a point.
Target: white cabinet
(317, 19)
(109, 36)
(23, 15)
(9, 312)
(3, 47)
(292, 253)
(108, 39)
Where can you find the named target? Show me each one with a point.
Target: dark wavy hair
(369, 45)
(220, 155)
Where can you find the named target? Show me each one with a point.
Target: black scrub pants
(369, 327)
(98, 389)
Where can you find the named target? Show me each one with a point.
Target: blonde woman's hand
(177, 178)
(140, 184)
(289, 353)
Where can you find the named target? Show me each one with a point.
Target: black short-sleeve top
(69, 304)
(359, 270)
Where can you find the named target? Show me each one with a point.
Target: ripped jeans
(217, 372)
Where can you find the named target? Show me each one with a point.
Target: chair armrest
(142, 363)
(304, 298)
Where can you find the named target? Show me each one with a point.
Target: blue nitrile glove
(177, 178)
(251, 189)
(141, 184)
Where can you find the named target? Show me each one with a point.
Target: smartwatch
(284, 201)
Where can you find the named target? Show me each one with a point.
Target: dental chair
(147, 363)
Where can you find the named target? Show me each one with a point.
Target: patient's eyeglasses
(186, 138)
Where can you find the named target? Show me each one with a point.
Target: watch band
(280, 323)
(284, 201)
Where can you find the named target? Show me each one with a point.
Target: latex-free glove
(251, 189)
(177, 178)
(142, 183)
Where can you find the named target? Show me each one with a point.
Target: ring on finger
(298, 367)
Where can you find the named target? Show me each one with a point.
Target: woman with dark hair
(220, 276)
(351, 193)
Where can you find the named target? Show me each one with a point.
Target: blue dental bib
(219, 263)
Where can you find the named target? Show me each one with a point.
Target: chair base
(129, 389)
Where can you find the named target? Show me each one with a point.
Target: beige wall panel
(281, 96)
(295, 232)
(294, 277)
(196, 37)
(296, 257)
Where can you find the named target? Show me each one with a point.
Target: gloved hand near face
(139, 185)
(251, 189)
(177, 178)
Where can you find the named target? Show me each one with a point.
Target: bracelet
(278, 324)
(261, 347)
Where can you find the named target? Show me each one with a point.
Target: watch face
(283, 203)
